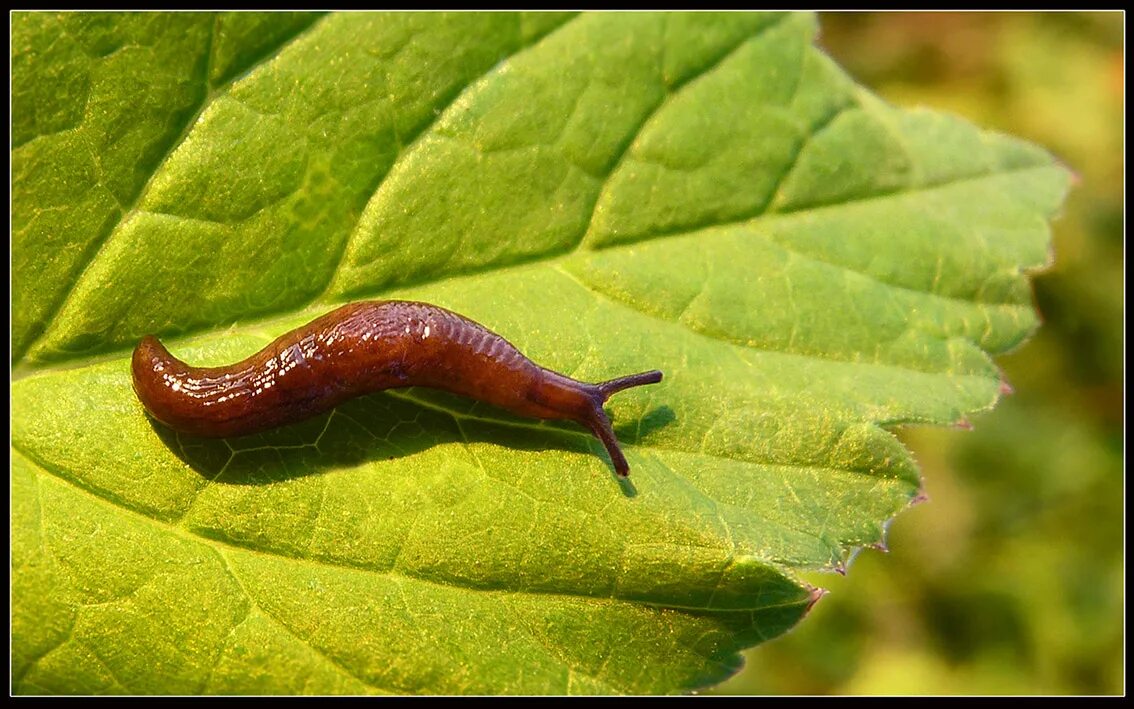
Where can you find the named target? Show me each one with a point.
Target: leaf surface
(704, 194)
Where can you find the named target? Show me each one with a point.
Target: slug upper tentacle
(358, 349)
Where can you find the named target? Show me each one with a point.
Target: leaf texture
(704, 194)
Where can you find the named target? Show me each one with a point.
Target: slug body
(358, 349)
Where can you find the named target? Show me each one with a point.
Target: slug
(362, 348)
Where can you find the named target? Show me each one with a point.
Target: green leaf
(704, 194)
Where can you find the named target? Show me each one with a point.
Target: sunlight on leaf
(704, 194)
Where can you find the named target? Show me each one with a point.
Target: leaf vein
(668, 97)
(218, 543)
(417, 136)
(98, 244)
(287, 629)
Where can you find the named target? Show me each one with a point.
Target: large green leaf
(704, 194)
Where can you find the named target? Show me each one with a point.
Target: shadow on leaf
(387, 426)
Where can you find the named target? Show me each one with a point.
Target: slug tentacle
(599, 424)
(362, 348)
(613, 386)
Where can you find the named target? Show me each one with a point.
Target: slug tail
(613, 386)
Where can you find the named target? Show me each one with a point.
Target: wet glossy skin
(362, 348)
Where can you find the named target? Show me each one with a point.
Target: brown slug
(362, 348)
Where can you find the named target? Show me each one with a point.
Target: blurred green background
(1010, 579)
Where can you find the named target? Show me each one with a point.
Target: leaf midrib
(188, 535)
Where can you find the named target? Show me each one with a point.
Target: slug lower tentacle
(358, 349)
